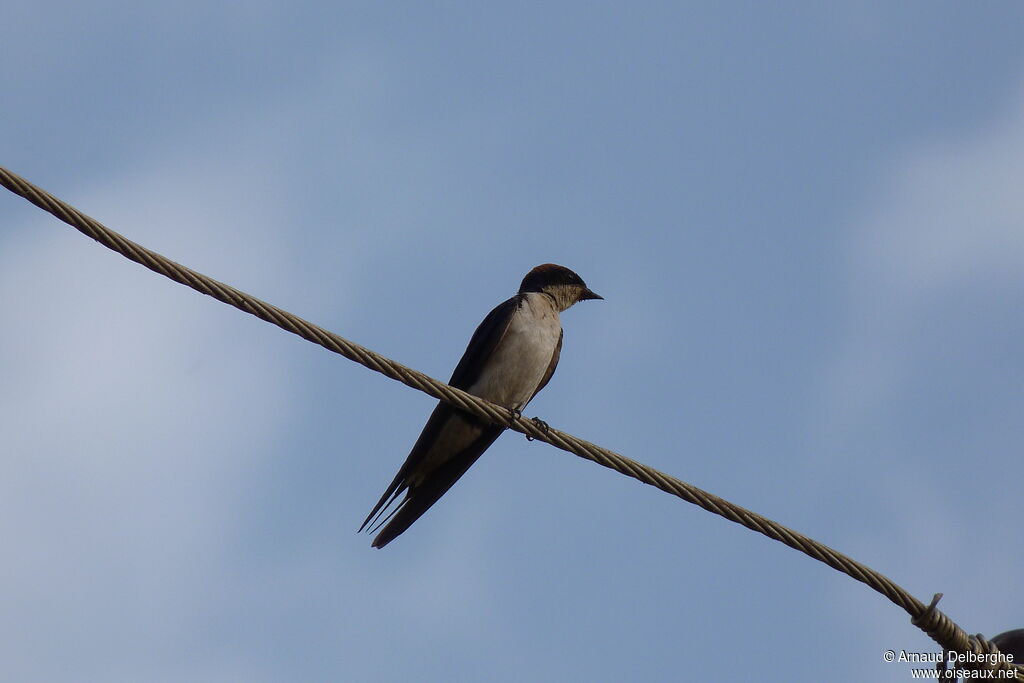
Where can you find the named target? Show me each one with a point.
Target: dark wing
(481, 346)
(420, 497)
(475, 434)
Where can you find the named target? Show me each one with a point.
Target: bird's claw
(541, 425)
(515, 414)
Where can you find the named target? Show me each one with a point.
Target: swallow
(510, 358)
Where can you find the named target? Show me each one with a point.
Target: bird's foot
(541, 425)
(515, 414)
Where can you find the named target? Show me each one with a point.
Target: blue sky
(807, 224)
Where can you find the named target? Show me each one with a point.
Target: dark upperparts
(547, 275)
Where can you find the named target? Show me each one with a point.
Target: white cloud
(952, 219)
(955, 213)
(935, 271)
(135, 414)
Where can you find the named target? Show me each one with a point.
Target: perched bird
(511, 357)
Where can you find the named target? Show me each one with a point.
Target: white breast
(522, 357)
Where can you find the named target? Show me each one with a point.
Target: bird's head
(558, 282)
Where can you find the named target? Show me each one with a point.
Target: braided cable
(928, 618)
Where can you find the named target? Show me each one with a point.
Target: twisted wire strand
(928, 618)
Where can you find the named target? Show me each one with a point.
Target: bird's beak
(587, 294)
